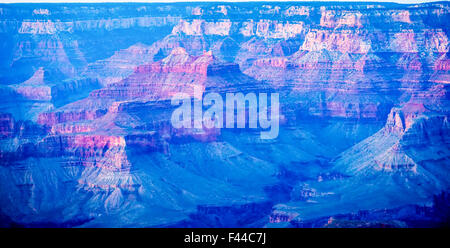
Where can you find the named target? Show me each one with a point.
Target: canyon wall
(85, 110)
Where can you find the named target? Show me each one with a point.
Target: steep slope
(406, 162)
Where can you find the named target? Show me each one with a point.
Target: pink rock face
(34, 88)
(197, 11)
(400, 120)
(45, 27)
(395, 122)
(41, 12)
(297, 11)
(39, 27)
(411, 111)
(35, 92)
(94, 150)
(404, 42)
(401, 16)
(52, 118)
(329, 19)
(159, 80)
(99, 138)
(177, 73)
(345, 41)
(272, 29)
(201, 27)
(436, 41)
(97, 141)
(70, 128)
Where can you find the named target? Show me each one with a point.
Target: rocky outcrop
(162, 79)
(34, 88)
(272, 29)
(200, 27)
(329, 19)
(390, 148)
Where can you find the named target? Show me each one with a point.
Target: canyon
(86, 138)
